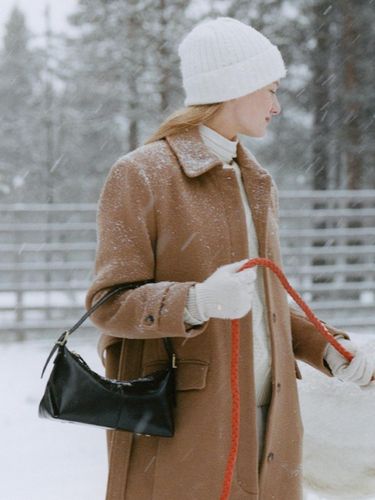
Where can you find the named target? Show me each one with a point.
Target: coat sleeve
(126, 240)
(308, 343)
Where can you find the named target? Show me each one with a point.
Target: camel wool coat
(168, 211)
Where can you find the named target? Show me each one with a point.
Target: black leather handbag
(75, 393)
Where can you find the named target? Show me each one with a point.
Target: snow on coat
(169, 211)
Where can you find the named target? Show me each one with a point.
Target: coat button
(278, 386)
(149, 319)
(274, 317)
(270, 457)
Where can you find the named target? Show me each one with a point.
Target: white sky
(34, 11)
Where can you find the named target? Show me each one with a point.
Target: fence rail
(47, 255)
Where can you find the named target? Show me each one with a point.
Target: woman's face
(249, 115)
(252, 113)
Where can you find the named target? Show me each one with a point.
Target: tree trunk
(352, 104)
(321, 98)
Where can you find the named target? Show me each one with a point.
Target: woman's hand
(226, 294)
(360, 370)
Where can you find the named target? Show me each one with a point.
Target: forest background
(72, 102)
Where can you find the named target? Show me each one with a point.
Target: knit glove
(226, 294)
(359, 371)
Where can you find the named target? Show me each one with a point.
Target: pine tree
(122, 77)
(19, 82)
(103, 64)
(342, 97)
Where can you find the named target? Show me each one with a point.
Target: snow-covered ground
(339, 438)
(45, 460)
(42, 459)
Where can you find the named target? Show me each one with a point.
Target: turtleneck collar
(224, 148)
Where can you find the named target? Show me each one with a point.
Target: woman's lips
(268, 119)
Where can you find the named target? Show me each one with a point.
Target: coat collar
(196, 158)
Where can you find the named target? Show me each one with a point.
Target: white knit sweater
(226, 150)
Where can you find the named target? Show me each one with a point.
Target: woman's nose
(276, 108)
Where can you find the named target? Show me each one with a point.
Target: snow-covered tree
(122, 76)
(70, 110)
(19, 81)
(341, 94)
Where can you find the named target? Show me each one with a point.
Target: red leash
(235, 356)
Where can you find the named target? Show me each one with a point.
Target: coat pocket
(298, 372)
(191, 373)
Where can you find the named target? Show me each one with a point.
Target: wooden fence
(328, 247)
(47, 254)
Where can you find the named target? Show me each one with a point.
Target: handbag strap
(62, 340)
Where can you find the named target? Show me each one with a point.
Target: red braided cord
(235, 411)
(235, 356)
(298, 299)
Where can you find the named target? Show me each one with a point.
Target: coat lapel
(257, 183)
(195, 158)
(193, 155)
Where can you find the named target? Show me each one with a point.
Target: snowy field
(44, 460)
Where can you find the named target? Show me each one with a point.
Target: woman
(188, 209)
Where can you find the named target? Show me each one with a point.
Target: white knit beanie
(223, 58)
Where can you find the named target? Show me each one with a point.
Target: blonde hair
(184, 119)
